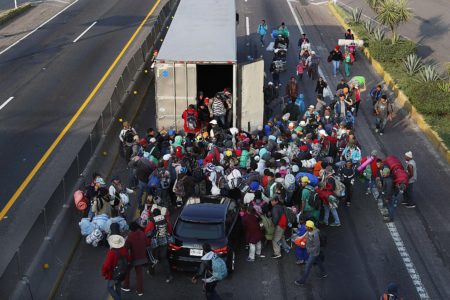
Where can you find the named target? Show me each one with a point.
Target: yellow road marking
(58, 139)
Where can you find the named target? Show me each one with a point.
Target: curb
(402, 100)
(10, 14)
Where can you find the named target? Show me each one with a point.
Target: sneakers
(376, 129)
(410, 205)
(250, 259)
(349, 204)
(324, 276)
(335, 224)
(276, 256)
(300, 262)
(125, 289)
(404, 202)
(169, 279)
(368, 192)
(388, 220)
(381, 133)
(260, 256)
(140, 294)
(299, 282)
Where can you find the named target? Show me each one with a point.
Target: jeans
(210, 291)
(408, 194)
(252, 248)
(380, 124)
(327, 214)
(335, 66)
(278, 236)
(143, 188)
(391, 205)
(113, 288)
(139, 284)
(261, 39)
(220, 120)
(348, 192)
(309, 264)
(160, 253)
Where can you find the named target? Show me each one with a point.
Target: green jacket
(305, 197)
(283, 31)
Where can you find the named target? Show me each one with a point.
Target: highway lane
(49, 77)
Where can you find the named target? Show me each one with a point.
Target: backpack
(191, 120)
(290, 216)
(289, 183)
(219, 268)
(128, 137)
(163, 179)
(154, 182)
(121, 268)
(339, 189)
(313, 200)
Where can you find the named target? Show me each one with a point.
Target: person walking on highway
(262, 31)
(313, 248)
(205, 270)
(306, 209)
(292, 89)
(335, 58)
(284, 31)
(375, 93)
(388, 194)
(349, 35)
(348, 176)
(136, 244)
(300, 69)
(320, 86)
(383, 111)
(312, 65)
(348, 62)
(116, 251)
(275, 74)
(280, 221)
(302, 40)
(411, 168)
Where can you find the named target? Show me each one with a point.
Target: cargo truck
(199, 53)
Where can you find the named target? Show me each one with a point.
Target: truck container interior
(212, 78)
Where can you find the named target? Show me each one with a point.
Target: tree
(393, 12)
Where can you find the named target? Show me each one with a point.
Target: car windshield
(204, 231)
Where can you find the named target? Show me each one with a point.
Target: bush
(384, 51)
(429, 99)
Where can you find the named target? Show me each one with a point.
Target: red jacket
(253, 232)
(184, 116)
(324, 194)
(283, 223)
(111, 261)
(151, 226)
(137, 244)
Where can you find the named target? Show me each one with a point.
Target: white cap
(302, 123)
(152, 140)
(409, 154)
(116, 241)
(311, 107)
(313, 53)
(323, 132)
(213, 122)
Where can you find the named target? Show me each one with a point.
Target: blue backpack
(154, 182)
(219, 268)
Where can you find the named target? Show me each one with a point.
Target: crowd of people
(289, 176)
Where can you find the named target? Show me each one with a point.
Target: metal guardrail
(54, 227)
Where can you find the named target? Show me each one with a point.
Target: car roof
(204, 212)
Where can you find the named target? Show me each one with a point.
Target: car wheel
(231, 259)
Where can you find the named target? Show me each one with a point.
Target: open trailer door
(250, 102)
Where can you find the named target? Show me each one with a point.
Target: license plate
(196, 252)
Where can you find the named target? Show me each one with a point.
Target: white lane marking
(6, 102)
(84, 32)
(329, 92)
(319, 3)
(37, 28)
(420, 288)
(247, 25)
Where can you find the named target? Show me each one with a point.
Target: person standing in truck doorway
(262, 31)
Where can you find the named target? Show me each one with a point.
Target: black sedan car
(209, 219)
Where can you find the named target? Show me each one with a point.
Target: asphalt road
(49, 77)
(9, 4)
(361, 257)
(429, 26)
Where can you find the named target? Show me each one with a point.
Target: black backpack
(122, 267)
(129, 136)
(314, 200)
(191, 120)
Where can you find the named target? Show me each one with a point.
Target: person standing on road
(280, 221)
(302, 40)
(117, 250)
(320, 86)
(205, 270)
(313, 248)
(335, 58)
(383, 111)
(349, 35)
(412, 175)
(312, 65)
(126, 137)
(292, 89)
(348, 62)
(253, 234)
(275, 74)
(262, 31)
(284, 31)
(348, 175)
(306, 209)
(136, 244)
(375, 94)
(388, 194)
(300, 69)
(159, 234)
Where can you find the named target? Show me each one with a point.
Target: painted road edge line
(37, 28)
(69, 125)
(407, 261)
(84, 32)
(6, 102)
